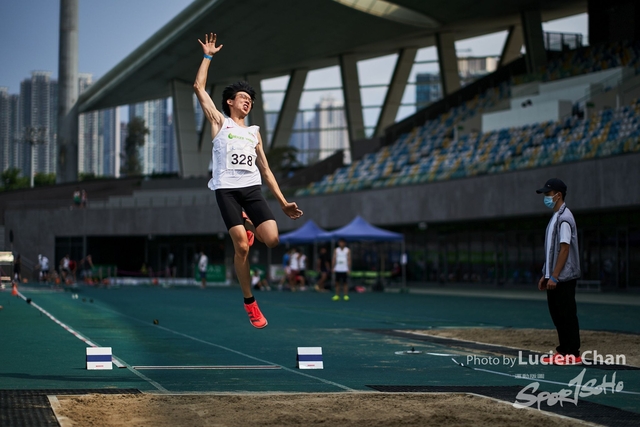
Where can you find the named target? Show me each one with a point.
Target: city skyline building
(98, 137)
(6, 134)
(110, 139)
(36, 123)
(159, 152)
(31, 116)
(330, 128)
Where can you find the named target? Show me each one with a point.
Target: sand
(330, 409)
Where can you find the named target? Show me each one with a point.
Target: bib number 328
(241, 160)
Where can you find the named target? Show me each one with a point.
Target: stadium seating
(431, 152)
(591, 59)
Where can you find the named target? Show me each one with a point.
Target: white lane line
(116, 361)
(344, 387)
(211, 367)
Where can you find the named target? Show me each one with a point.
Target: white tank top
(342, 262)
(234, 157)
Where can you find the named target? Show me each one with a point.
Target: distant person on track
(294, 269)
(286, 258)
(17, 266)
(64, 268)
(341, 267)
(203, 263)
(258, 282)
(324, 268)
(560, 274)
(77, 198)
(84, 198)
(302, 263)
(86, 269)
(43, 263)
(239, 165)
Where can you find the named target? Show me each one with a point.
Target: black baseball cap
(553, 184)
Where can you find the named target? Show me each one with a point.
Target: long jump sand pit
(330, 409)
(343, 409)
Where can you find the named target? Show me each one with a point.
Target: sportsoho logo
(528, 397)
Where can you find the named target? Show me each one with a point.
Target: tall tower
(67, 170)
(89, 147)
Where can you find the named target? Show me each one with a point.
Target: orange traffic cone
(14, 290)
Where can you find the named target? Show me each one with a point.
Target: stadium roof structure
(272, 38)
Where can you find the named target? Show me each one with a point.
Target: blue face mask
(548, 202)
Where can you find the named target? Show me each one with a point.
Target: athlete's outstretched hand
(292, 211)
(209, 46)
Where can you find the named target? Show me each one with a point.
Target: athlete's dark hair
(232, 90)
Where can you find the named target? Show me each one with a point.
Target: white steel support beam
(192, 158)
(512, 45)
(448, 62)
(397, 86)
(536, 56)
(352, 99)
(287, 116)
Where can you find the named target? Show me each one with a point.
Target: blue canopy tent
(360, 230)
(308, 233)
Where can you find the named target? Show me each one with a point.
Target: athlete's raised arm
(214, 116)
(289, 208)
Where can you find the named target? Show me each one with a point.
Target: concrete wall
(611, 77)
(609, 183)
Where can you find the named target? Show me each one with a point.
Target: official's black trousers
(564, 313)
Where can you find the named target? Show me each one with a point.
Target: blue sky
(109, 30)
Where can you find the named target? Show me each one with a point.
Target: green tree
(87, 176)
(41, 179)
(11, 180)
(136, 132)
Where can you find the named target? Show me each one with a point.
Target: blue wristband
(553, 279)
(208, 57)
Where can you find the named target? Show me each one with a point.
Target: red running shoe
(561, 359)
(255, 315)
(250, 235)
(568, 360)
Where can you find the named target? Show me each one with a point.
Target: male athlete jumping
(239, 163)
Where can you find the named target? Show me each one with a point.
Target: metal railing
(559, 42)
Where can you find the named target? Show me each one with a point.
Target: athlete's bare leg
(267, 232)
(241, 258)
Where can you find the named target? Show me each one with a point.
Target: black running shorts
(232, 201)
(341, 276)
